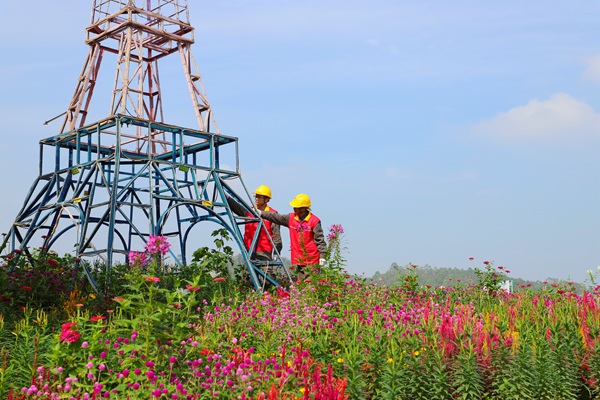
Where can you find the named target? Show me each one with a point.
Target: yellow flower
(416, 353)
(340, 360)
(390, 360)
(92, 295)
(302, 390)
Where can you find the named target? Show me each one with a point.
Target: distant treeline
(436, 277)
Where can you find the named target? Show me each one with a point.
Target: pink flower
(97, 318)
(192, 288)
(335, 231)
(68, 334)
(154, 279)
(137, 258)
(158, 245)
(219, 279)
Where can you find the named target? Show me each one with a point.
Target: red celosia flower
(27, 288)
(18, 251)
(52, 262)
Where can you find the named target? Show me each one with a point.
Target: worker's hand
(322, 261)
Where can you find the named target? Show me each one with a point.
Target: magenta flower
(68, 334)
(137, 258)
(335, 231)
(158, 245)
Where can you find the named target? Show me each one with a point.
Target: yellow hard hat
(301, 200)
(263, 190)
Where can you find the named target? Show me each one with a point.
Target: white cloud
(592, 69)
(560, 116)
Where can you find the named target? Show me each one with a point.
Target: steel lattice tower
(106, 186)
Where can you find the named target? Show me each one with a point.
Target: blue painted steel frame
(121, 181)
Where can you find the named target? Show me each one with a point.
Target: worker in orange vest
(264, 247)
(307, 241)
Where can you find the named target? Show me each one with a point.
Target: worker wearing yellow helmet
(264, 246)
(307, 241)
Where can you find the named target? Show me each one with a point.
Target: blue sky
(433, 131)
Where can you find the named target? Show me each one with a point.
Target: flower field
(199, 333)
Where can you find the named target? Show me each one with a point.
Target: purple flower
(335, 231)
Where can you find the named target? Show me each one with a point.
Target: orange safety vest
(302, 240)
(263, 244)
